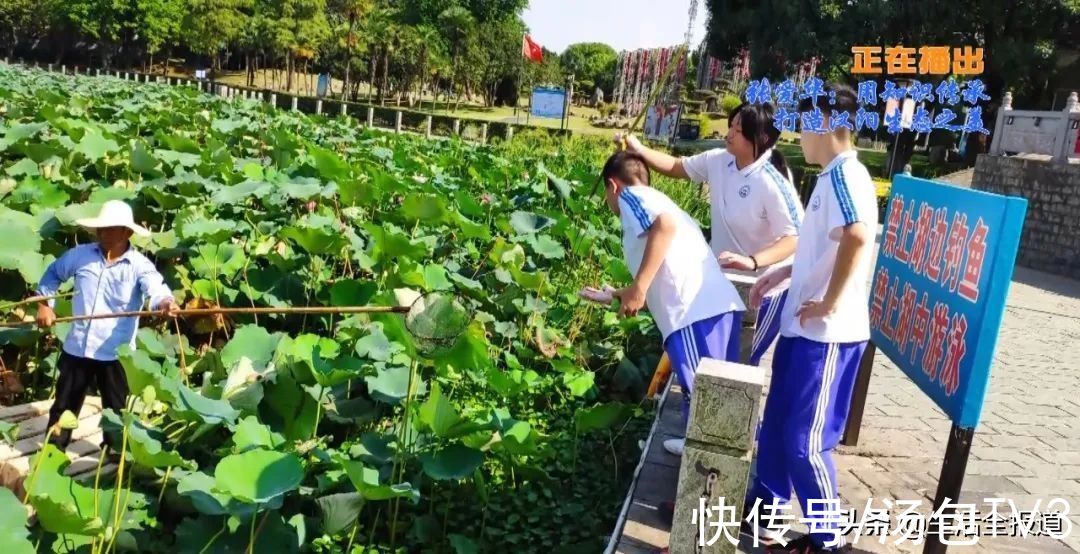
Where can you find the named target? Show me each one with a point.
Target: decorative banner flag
(531, 50)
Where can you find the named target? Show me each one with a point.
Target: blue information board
(548, 102)
(938, 293)
(323, 86)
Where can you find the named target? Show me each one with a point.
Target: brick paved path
(1027, 447)
(1028, 444)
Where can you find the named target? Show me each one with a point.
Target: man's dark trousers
(75, 375)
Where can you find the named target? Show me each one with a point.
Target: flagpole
(521, 78)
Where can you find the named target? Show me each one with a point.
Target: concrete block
(724, 406)
(725, 478)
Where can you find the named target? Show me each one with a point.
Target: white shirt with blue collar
(752, 207)
(844, 195)
(103, 288)
(689, 286)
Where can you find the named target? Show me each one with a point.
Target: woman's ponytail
(778, 161)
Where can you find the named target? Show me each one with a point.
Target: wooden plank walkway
(84, 449)
(646, 529)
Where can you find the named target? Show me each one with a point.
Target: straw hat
(114, 213)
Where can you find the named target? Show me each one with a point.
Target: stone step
(14, 414)
(84, 449)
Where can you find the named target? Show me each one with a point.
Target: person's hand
(764, 284)
(169, 308)
(46, 317)
(628, 140)
(601, 296)
(814, 309)
(631, 300)
(731, 260)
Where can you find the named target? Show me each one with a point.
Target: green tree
(1022, 40)
(548, 72)
(101, 22)
(456, 24)
(429, 43)
(482, 11)
(592, 64)
(497, 61)
(158, 22)
(211, 26)
(352, 12)
(21, 20)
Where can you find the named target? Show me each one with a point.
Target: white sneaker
(675, 446)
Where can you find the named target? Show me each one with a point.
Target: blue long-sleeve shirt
(102, 288)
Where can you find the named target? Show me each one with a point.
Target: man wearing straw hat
(110, 277)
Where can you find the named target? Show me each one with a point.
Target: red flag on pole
(531, 50)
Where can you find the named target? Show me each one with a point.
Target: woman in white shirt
(756, 212)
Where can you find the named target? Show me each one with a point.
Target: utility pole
(567, 102)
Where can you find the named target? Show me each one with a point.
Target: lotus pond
(326, 433)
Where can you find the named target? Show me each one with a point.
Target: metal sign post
(937, 299)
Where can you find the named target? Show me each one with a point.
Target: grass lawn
(875, 160)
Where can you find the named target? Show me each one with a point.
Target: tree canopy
(1022, 41)
(401, 48)
(592, 63)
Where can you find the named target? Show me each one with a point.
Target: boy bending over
(696, 308)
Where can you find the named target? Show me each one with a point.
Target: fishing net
(436, 320)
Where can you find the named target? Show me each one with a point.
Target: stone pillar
(457, 126)
(63, 69)
(370, 117)
(509, 133)
(483, 132)
(50, 67)
(999, 125)
(1065, 139)
(97, 72)
(427, 126)
(719, 445)
(295, 104)
(344, 109)
(273, 99)
(318, 106)
(397, 122)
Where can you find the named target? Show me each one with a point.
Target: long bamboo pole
(677, 59)
(228, 311)
(31, 300)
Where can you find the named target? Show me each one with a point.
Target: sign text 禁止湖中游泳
(938, 291)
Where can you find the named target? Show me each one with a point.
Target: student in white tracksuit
(756, 212)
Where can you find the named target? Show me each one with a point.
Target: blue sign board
(323, 86)
(938, 292)
(548, 102)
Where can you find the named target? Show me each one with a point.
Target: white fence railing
(1049, 133)
(425, 126)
